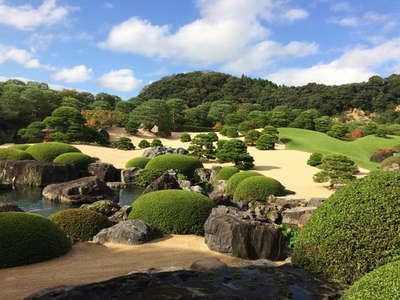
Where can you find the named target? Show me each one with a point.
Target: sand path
(88, 262)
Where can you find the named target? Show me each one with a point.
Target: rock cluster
(160, 150)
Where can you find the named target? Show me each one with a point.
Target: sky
(121, 46)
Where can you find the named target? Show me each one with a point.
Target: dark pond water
(30, 200)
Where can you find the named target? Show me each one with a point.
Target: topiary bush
(184, 164)
(226, 172)
(49, 151)
(257, 188)
(80, 224)
(185, 137)
(355, 230)
(137, 162)
(144, 144)
(124, 143)
(79, 160)
(156, 143)
(315, 159)
(234, 181)
(21, 147)
(173, 211)
(266, 142)
(390, 160)
(14, 154)
(381, 283)
(29, 238)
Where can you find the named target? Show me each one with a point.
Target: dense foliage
(137, 162)
(146, 177)
(355, 230)
(79, 160)
(80, 224)
(237, 178)
(235, 151)
(124, 143)
(144, 144)
(173, 211)
(14, 154)
(49, 151)
(225, 173)
(28, 238)
(391, 160)
(21, 147)
(185, 137)
(315, 159)
(381, 283)
(182, 163)
(257, 188)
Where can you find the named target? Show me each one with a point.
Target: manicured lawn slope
(359, 150)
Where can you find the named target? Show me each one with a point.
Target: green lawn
(359, 150)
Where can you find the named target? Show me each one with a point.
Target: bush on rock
(182, 163)
(49, 151)
(390, 161)
(137, 162)
(14, 154)
(258, 188)
(234, 181)
(355, 230)
(173, 211)
(80, 224)
(28, 238)
(225, 173)
(79, 160)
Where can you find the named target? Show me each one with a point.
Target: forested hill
(377, 94)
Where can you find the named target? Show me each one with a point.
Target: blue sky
(120, 46)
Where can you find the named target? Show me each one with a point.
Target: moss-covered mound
(21, 147)
(80, 224)
(226, 172)
(137, 162)
(234, 181)
(381, 283)
(258, 188)
(28, 238)
(354, 231)
(79, 160)
(185, 164)
(49, 151)
(390, 160)
(173, 211)
(14, 154)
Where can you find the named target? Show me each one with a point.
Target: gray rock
(198, 189)
(128, 175)
(286, 202)
(83, 190)
(208, 264)
(391, 167)
(297, 217)
(316, 202)
(117, 185)
(230, 231)
(167, 181)
(214, 171)
(105, 172)
(121, 215)
(260, 211)
(35, 173)
(184, 184)
(6, 207)
(202, 175)
(131, 232)
(160, 150)
(104, 207)
(218, 194)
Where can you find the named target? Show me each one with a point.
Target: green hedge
(185, 164)
(79, 160)
(258, 188)
(391, 160)
(137, 162)
(21, 147)
(185, 137)
(49, 151)
(234, 181)
(80, 224)
(355, 230)
(173, 211)
(225, 173)
(14, 154)
(28, 238)
(381, 283)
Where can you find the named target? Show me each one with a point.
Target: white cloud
(368, 18)
(123, 80)
(355, 65)
(341, 7)
(27, 17)
(225, 31)
(22, 57)
(73, 75)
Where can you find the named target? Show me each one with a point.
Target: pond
(30, 200)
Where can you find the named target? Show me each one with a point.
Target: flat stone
(207, 264)
(298, 216)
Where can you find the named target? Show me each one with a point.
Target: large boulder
(121, 215)
(105, 172)
(160, 150)
(230, 231)
(131, 232)
(218, 194)
(104, 207)
(167, 181)
(202, 175)
(35, 173)
(129, 175)
(83, 190)
(298, 216)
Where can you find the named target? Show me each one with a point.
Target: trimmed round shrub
(234, 181)
(381, 283)
(49, 151)
(355, 230)
(156, 143)
(21, 147)
(144, 144)
(258, 188)
(184, 164)
(173, 211)
(80, 224)
(225, 173)
(124, 143)
(14, 154)
(137, 162)
(29, 238)
(185, 137)
(79, 160)
(266, 142)
(315, 159)
(390, 160)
